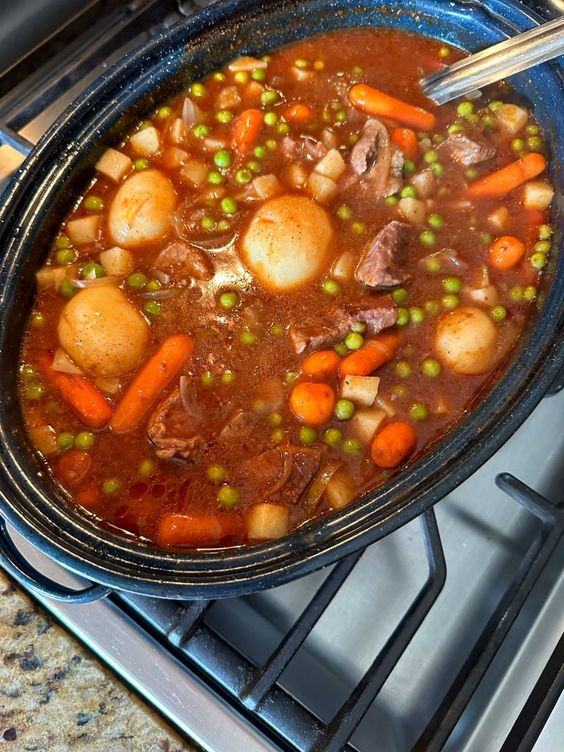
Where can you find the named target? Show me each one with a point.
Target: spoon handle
(530, 48)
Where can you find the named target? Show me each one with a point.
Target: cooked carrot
(155, 376)
(88, 497)
(370, 356)
(299, 113)
(375, 102)
(321, 364)
(406, 140)
(86, 400)
(247, 130)
(198, 529)
(73, 467)
(393, 444)
(313, 402)
(506, 252)
(509, 177)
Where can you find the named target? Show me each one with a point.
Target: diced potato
(178, 131)
(194, 172)
(301, 74)
(332, 165)
(84, 230)
(412, 210)
(344, 266)
(424, 182)
(267, 186)
(441, 406)
(340, 490)
(108, 385)
(361, 390)
(297, 175)
(487, 296)
(44, 439)
(499, 218)
(52, 276)
(174, 157)
(321, 188)
(117, 262)
(113, 165)
(329, 139)
(228, 98)
(386, 405)
(253, 90)
(247, 63)
(511, 119)
(537, 194)
(267, 521)
(62, 363)
(146, 142)
(215, 143)
(366, 422)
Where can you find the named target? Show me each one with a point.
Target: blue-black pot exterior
(61, 165)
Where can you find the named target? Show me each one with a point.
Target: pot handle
(14, 563)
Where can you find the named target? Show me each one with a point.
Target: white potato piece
(424, 182)
(146, 142)
(412, 210)
(52, 276)
(366, 422)
(117, 262)
(297, 175)
(511, 119)
(267, 186)
(194, 172)
(84, 230)
(113, 165)
(537, 194)
(178, 131)
(247, 63)
(361, 390)
(44, 439)
(465, 340)
(267, 521)
(286, 244)
(487, 295)
(332, 165)
(344, 266)
(340, 490)
(174, 157)
(102, 332)
(322, 189)
(141, 211)
(499, 218)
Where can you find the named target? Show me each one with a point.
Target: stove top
(447, 634)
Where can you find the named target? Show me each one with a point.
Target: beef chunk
(303, 148)
(384, 260)
(467, 151)
(238, 426)
(173, 431)
(375, 164)
(280, 474)
(183, 262)
(377, 312)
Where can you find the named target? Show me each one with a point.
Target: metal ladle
(530, 48)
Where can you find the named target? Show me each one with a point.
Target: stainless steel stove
(448, 634)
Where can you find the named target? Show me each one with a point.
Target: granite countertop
(56, 696)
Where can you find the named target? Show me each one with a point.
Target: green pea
(111, 486)
(516, 294)
(517, 144)
(219, 76)
(28, 372)
(451, 284)
(291, 377)
(241, 77)
(283, 129)
(275, 419)
(319, 65)
(62, 242)
(455, 128)
(359, 327)
(409, 167)
(431, 368)
(258, 75)
(344, 212)
(243, 176)
(215, 177)
(465, 109)
(450, 301)
(542, 246)
(418, 411)
(229, 205)
(545, 232)
(438, 138)
(529, 293)
(208, 223)
(277, 436)
(153, 285)
(341, 349)
(495, 105)
(430, 156)
(141, 164)
(535, 143)
(307, 435)
(254, 166)
(471, 173)
(402, 369)
(408, 191)
(427, 238)
(353, 447)
(344, 409)
(67, 289)
(224, 116)
(416, 315)
(538, 260)
(65, 256)
(269, 97)
(201, 131)
(485, 238)
(271, 144)
(93, 203)
(270, 118)
(92, 269)
(152, 308)
(259, 151)
(359, 228)
(136, 281)
(333, 437)
(444, 52)
(198, 90)
(277, 330)
(392, 200)
(437, 169)
(37, 320)
(432, 307)
(84, 440)
(532, 130)
(331, 287)
(223, 159)
(228, 496)
(228, 377)
(487, 121)
(354, 341)
(421, 135)
(402, 317)
(146, 468)
(248, 338)
(498, 313)
(435, 221)
(65, 441)
(164, 112)
(433, 264)
(301, 62)
(216, 473)
(207, 379)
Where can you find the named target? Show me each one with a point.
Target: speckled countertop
(56, 696)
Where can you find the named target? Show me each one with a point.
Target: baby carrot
(156, 375)
(393, 444)
(195, 529)
(73, 467)
(506, 252)
(299, 113)
(370, 356)
(313, 402)
(321, 364)
(375, 102)
(247, 130)
(80, 394)
(509, 177)
(406, 140)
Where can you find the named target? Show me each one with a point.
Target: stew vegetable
(288, 282)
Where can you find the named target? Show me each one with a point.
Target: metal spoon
(530, 48)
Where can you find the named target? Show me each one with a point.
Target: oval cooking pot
(60, 167)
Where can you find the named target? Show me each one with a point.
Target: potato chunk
(466, 340)
(84, 230)
(113, 165)
(537, 194)
(267, 521)
(102, 332)
(141, 211)
(287, 242)
(146, 142)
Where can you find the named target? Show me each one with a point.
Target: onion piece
(96, 282)
(214, 243)
(191, 113)
(170, 292)
(284, 476)
(313, 495)
(64, 364)
(386, 405)
(247, 63)
(187, 398)
(163, 278)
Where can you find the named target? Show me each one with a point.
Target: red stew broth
(392, 61)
